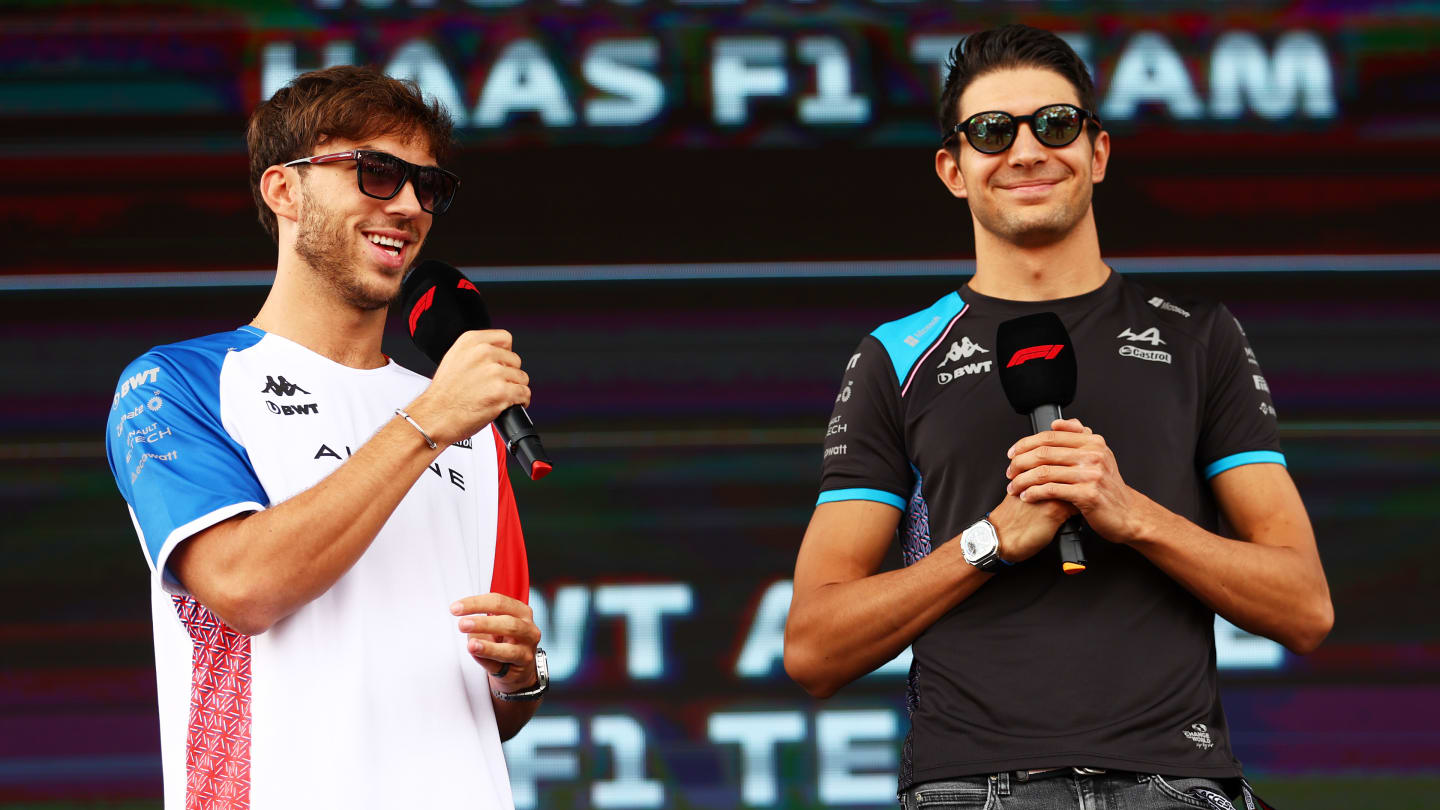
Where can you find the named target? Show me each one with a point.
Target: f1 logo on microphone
(1045, 352)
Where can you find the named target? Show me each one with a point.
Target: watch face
(977, 541)
(542, 667)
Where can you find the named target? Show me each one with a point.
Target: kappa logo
(1151, 336)
(1199, 734)
(962, 349)
(281, 387)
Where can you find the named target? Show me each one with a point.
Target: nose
(1026, 150)
(405, 203)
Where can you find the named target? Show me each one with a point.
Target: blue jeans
(1111, 791)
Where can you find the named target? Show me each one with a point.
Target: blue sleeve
(173, 460)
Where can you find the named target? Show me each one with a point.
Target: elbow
(1312, 627)
(802, 665)
(242, 609)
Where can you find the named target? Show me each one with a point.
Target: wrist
(427, 420)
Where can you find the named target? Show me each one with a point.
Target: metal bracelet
(400, 412)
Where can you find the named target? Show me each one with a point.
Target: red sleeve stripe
(511, 575)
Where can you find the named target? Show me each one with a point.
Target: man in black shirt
(1031, 688)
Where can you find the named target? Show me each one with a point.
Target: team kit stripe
(862, 494)
(217, 743)
(511, 572)
(940, 341)
(1214, 468)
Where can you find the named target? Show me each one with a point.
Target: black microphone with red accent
(1037, 371)
(440, 305)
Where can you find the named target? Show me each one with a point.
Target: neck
(304, 308)
(1066, 268)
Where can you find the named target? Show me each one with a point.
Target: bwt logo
(291, 410)
(1044, 352)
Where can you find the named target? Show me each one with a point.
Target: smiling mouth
(387, 243)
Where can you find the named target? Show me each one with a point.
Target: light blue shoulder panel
(907, 339)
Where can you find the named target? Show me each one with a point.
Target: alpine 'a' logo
(281, 387)
(1046, 351)
(1151, 336)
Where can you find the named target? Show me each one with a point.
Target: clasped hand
(1071, 463)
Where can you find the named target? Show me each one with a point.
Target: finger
(517, 394)
(1048, 474)
(510, 627)
(1049, 454)
(494, 337)
(500, 652)
(504, 357)
(491, 603)
(1074, 494)
(1070, 425)
(1052, 438)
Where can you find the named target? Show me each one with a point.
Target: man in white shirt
(339, 579)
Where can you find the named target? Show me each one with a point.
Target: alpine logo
(1046, 351)
(281, 387)
(960, 371)
(962, 349)
(1151, 336)
(1199, 734)
(292, 410)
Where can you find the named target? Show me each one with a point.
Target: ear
(280, 189)
(948, 169)
(1100, 157)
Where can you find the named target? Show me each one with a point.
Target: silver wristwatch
(542, 682)
(981, 546)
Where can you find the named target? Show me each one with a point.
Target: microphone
(440, 305)
(1037, 372)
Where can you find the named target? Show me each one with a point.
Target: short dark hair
(348, 102)
(1004, 48)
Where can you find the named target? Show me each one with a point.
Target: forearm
(254, 571)
(512, 715)
(1275, 589)
(844, 630)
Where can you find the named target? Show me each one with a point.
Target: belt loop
(1002, 783)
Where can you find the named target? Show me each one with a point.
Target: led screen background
(685, 290)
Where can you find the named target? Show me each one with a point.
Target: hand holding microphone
(477, 377)
(1038, 374)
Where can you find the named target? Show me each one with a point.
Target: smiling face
(360, 246)
(1030, 195)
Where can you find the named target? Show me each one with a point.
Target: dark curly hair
(348, 102)
(1004, 48)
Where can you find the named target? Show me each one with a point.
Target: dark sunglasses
(382, 175)
(1055, 125)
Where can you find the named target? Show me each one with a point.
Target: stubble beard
(323, 241)
(1023, 226)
